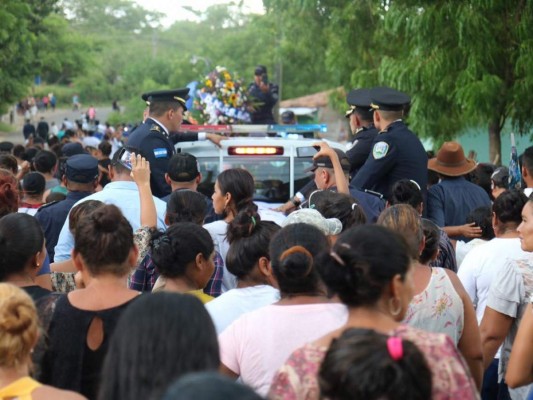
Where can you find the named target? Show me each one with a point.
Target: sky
(174, 10)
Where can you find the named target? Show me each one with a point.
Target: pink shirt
(256, 345)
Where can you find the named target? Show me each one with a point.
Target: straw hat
(451, 161)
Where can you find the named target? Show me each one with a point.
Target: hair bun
(294, 258)
(107, 218)
(16, 318)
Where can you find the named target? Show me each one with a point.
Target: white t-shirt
(509, 294)
(218, 230)
(230, 305)
(257, 344)
(480, 266)
(463, 248)
(90, 141)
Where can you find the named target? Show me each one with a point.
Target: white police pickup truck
(277, 164)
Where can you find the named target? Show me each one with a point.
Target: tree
(20, 24)
(470, 63)
(62, 53)
(464, 63)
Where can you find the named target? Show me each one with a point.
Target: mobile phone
(308, 151)
(125, 158)
(264, 78)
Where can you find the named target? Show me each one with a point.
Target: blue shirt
(453, 199)
(52, 217)
(123, 194)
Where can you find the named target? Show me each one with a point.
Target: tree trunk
(495, 143)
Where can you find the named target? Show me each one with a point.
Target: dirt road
(56, 116)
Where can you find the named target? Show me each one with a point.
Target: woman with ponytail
(370, 269)
(80, 324)
(183, 256)
(256, 345)
(248, 259)
(234, 191)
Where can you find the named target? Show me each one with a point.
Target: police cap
(71, 149)
(178, 95)
(82, 168)
(388, 99)
(6, 147)
(358, 98)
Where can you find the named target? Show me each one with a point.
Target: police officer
(265, 94)
(396, 153)
(80, 179)
(362, 126)
(155, 138)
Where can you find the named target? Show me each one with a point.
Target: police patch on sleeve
(380, 150)
(160, 153)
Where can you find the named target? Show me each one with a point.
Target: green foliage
(6, 128)
(16, 49)
(62, 53)
(464, 63)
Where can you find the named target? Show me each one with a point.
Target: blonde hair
(19, 325)
(403, 219)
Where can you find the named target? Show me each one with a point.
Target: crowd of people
(120, 280)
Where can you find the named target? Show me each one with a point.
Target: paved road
(56, 116)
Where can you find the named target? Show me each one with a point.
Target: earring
(395, 311)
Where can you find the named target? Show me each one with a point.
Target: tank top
(438, 308)
(21, 389)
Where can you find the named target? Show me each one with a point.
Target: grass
(7, 128)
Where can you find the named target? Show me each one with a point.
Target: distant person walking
(75, 103)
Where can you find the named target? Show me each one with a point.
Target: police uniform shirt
(52, 216)
(396, 154)
(371, 205)
(152, 141)
(266, 101)
(361, 147)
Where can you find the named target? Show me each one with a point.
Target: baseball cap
(328, 226)
(325, 162)
(183, 167)
(500, 177)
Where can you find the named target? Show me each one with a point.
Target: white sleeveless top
(438, 308)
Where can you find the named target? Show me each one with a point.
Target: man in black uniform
(361, 116)
(397, 153)
(81, 179)
(155, 138)
(265, 94)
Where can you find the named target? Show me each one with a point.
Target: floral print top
(438, 308)
(297, 378)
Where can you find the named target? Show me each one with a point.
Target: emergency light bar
(255, 150)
